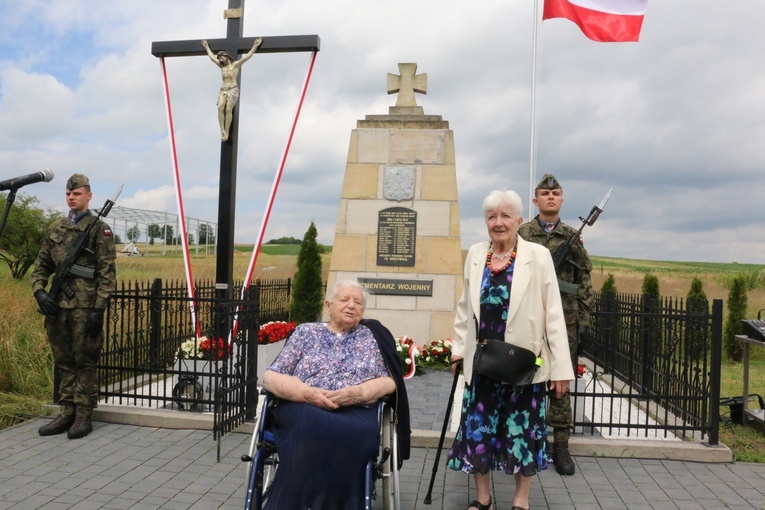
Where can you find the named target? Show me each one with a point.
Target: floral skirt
(502, 427)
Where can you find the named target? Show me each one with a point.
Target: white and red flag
(601, 20)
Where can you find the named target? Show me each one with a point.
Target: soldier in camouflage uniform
(75, 324)
(577, 296)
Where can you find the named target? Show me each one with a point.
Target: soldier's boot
(61, 423)
(82, 425)
(564, 464)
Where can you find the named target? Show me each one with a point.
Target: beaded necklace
(510, 260)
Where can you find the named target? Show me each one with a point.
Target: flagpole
(534, 80)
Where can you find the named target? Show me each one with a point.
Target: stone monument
(398, 228)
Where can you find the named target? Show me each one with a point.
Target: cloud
(674, 123)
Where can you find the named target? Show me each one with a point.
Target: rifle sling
(82, 271)
(568, 288)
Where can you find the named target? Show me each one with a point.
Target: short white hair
(498, 198)
(347, 283)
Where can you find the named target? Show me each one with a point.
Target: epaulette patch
(107, 232)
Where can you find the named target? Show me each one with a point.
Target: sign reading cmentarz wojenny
(397, 287)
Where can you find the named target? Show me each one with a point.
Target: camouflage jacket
(576, 307)
(100, 256)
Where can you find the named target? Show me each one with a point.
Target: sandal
(475, 503)
(519, 508)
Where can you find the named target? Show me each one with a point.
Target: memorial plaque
(396, 234)
(397, 287)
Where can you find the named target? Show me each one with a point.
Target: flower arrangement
(275, 331)
(403, 347)
(204, 348)
(437, 353)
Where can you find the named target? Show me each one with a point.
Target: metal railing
(147, 322)
(653, 369)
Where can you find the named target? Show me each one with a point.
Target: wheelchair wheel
(390, 471)
(263, 461)
(188, 394)
(270, 465)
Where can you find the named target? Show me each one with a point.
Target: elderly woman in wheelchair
(327, 382)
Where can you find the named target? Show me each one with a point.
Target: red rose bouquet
(275, 331)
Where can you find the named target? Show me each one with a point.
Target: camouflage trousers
(559, 415)
(76, 356)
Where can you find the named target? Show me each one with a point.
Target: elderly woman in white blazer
(510, 292)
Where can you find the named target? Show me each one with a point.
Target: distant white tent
(123, 219)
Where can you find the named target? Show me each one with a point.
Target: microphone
(17, 182)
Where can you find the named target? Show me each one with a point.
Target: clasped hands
(334, 399)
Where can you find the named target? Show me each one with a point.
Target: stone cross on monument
(235, 44)
(406, 84)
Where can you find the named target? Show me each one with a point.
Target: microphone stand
(8, 203)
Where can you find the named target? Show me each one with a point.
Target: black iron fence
(148, 322)
(653, 369)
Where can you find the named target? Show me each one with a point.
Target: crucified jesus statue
(229, 91)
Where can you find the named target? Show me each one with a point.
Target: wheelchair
(263, 462)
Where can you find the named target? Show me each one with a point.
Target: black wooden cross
(235, 44)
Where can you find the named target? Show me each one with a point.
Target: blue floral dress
(502, 427)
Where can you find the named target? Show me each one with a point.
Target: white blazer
(535, 316)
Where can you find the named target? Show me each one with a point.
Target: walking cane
(428, 496)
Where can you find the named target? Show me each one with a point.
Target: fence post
(155, 320)
(251, 367)
(715, 375)
(647, 350)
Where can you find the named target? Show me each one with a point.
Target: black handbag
(505, 362)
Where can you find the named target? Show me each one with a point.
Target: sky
(674, 123)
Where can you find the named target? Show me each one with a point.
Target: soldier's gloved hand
(46, 303)
(95, 323)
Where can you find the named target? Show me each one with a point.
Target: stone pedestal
(267, 353)
(398, 228)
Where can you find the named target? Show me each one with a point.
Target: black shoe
(477, 504)
(82, 425)
(58, 425)
(564, 465)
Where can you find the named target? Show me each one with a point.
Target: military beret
(77, 181)
(548, 182)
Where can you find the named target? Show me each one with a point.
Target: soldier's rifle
(561, 254)
(69, 266)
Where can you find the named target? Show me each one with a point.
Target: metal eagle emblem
(398, 183)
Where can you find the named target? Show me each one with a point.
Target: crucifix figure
(406, 84)
(229, 91)
(234, 44)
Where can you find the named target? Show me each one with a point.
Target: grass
(26, 364)
(747, 442)
(26, 373)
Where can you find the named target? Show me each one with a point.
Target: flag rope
(179, 202)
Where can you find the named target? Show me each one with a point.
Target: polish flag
(601, 20)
